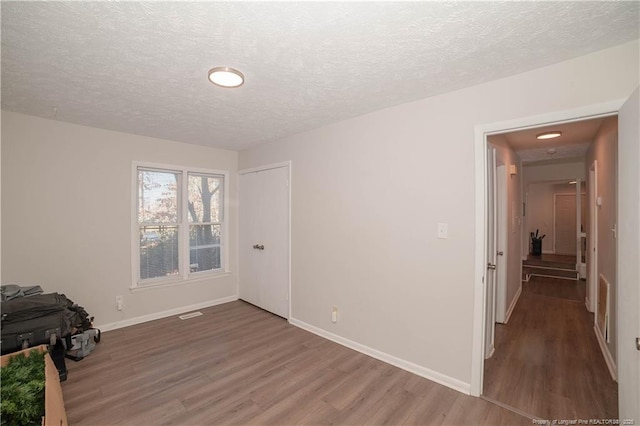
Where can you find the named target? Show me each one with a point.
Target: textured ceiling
(141, 67)
(561, 152)
(574, 142)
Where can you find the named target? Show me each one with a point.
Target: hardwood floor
(547, 361)
(237, 364)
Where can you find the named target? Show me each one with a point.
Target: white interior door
(628, 255)
(502, 227)
(250, 262)
(490, 277)
(264, 239)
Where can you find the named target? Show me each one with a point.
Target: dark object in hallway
(536, 247)
(536, 243)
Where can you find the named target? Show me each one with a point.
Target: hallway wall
(605, 150)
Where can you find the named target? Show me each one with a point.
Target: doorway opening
(535, 361)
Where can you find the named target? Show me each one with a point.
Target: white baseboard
(491, 352)
(513, 304)
(440, 378)
(158, 315)
(613, 370)
(587, 303)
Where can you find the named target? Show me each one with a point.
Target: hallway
(547, 361)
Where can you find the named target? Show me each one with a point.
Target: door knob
(500, 253)
(491, 266)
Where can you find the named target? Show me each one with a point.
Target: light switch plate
(442, 230)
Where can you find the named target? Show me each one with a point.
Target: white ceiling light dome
(549, 135)
(226, 77)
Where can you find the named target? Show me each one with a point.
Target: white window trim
(186, 276)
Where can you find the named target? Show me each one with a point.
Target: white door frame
(261, 169)
(480, 149)
(491, 249)
(592, 279)
(578, 225)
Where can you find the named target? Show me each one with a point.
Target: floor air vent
(190, 315)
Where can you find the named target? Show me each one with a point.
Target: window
(158, 221)
(205, 220)
(179, 229)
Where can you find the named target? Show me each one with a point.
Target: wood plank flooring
(547, 361)
(237, 364)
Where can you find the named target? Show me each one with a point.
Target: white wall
(540, 210)
(367, 194)
(66, 214)
(0, 202)
(539, 199)
(604, 150)
(554, 172)
(628, 254)
(540, 213)
(507, 157)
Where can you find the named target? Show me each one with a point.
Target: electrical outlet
(334, 314)
(119, 303)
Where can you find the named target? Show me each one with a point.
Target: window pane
(205, 195)
(158, 251)
(204, 247)
(157, 197)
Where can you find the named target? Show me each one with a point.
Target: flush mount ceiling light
(226, 77)
(549, 135)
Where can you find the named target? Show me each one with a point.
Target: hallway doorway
(548, 343)
(566, 241)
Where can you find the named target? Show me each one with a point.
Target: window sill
(179, 281)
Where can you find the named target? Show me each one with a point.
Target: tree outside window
(205, 219)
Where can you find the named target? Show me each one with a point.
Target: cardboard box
(54, 413)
